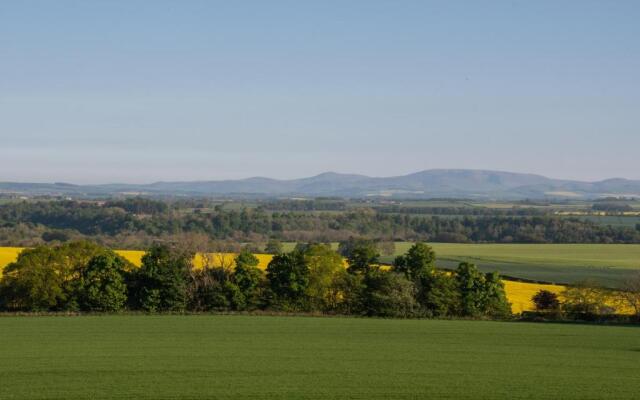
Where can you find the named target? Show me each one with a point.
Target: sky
(139, 91)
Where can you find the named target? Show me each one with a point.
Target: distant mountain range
(437, 183)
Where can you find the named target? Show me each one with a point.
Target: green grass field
(586, 255)
(608, 264)
(560, 263)
(225, 357)
(613, 220)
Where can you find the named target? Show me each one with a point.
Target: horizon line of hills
(434, 183)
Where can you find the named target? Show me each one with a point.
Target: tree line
(83, 276)
(136, 223)
(589, 301)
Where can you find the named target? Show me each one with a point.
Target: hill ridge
(430, 183)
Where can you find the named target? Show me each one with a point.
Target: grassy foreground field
(224, 357)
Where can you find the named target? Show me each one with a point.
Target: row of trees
(137, 223)
(313, 278)
(589, 300)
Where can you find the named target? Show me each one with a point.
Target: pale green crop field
(585, 255)
(609, 264)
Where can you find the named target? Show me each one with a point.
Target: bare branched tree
(630, 293)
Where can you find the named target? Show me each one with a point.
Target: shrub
(161, 282)
(288, 277)
(388, 294)
(545, 300)
(103, 286)
(481, 294)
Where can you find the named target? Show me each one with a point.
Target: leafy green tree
(47, 278)
(249, 279)
(214, 290)
(495, 300)
(435, 291)
(288, 277)
(350, 294)
(419, 261)
(326, 277)
(363, 257)
(346, 247)
(103, 286)
(273, 247)
(438, 294)
(471, 288)
(545, 300)
(388, 294)
(161, 282)
(34, 282)
(481, 294)
(76, 256)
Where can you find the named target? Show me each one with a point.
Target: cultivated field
(8, 255)
(563, 263)
(608, 264)
(225, 357)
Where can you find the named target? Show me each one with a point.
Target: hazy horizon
(301, 177)
(139, 92)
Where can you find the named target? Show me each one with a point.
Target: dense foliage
(76, 275)
(136, 223)
(83, 276)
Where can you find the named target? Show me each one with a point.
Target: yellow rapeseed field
(519, 294)
(133, 256)
(8, 255)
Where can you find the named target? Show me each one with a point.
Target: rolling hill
(453, 183)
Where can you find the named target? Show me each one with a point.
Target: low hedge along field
(231, 357)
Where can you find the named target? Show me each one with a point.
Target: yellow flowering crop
(519, 294)
(8, 255)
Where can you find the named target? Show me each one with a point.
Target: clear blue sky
(138, 91)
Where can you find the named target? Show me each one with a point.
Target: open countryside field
(225, 357)
(588, 255)
(613, 220)
(608, 264)
(8, 255)
(562, 263)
